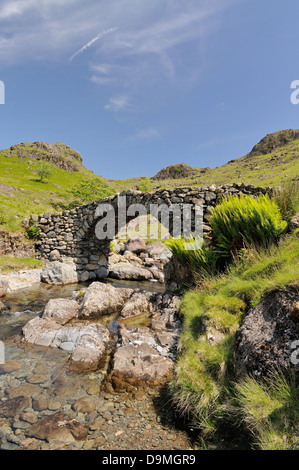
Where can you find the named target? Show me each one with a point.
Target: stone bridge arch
(73, 233)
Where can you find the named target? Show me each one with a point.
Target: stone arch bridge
(72, 233)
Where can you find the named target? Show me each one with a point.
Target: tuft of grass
(287, 199)
(270, 411)
(194, 252)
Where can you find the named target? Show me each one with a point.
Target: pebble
(29, 417)
(54, 405)
(9, 366)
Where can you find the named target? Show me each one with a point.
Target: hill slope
(274, 160)
(22, 193)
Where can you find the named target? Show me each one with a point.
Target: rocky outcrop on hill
(273, 141)
(59, 154)
(179, 170)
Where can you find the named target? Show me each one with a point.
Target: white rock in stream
(58, 273)
(144, 354)
(103, 299)
(21, 279)
(85, 341)
(61, 310)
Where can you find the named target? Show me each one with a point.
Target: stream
(38, 384)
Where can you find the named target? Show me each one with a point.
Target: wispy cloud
(144, 27)
(147, 134)
(90, 43)
(143, 52)
(11, 9)
(118, 103)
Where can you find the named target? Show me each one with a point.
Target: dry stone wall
(15, 245)
(71, 233)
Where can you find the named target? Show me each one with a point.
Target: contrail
(100, 35)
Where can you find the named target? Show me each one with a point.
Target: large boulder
(59, 273)
(103, 299)
(61, 310)
(86, 342)
(143, 356)
(135, 245)
(268, 337)
(129, 272)
(158, 250)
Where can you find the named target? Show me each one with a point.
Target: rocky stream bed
(50, 398)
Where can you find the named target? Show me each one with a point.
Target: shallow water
(127, 422)
(24, 304)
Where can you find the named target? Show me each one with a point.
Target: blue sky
(137, 85)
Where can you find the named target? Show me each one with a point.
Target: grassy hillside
(273, 161)
(22, 193)
(271, 169)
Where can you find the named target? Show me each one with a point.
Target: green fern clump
(243, 221)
